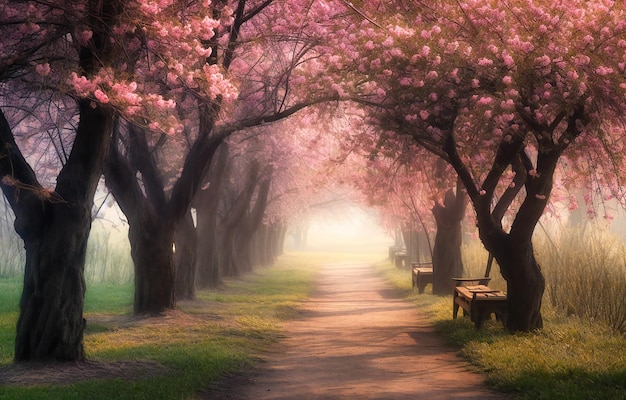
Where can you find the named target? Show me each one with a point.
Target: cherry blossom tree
(505, 92)
(408, 190)
(223, 67)
(43, 46)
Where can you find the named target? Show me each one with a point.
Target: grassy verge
(569, 359)
(222, 331)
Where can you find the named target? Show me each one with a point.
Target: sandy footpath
(354, 339)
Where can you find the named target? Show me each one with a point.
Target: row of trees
(464, 101)
(148, 97)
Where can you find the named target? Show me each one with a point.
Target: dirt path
(356, 340)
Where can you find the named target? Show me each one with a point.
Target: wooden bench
(402, 260)
(479, 302)
(392, 252)
(421, 275)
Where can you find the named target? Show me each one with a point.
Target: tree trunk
(151, 250)
(209, 273)
(51, 324)
(447, 260)
(278, 232)
(525, 284)
(55, 227)
(207, 202)
(228, 254)
(150, 231)
(186, 243)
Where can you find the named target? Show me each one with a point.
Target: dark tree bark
(55, 228)
(513, 250)
(55, 225)
(151, 250)
(299, 233)
(207, 203)
(231, 251)
(259, 246)
(447, 260)
(152, 218)
(150, 232)
(269, 242)
(185, 255)
(249, 225)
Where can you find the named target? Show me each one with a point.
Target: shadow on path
(355, 340)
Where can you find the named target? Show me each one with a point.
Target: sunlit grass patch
(568, 359)
(109, 298)
(223, 331)
(560, 362)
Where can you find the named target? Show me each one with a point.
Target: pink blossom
(603, 71)
(424, 115)
(84, 36)
(507, 80)
(29, 28)
(507, 105)
(573, 75)
(508, 60)
(581, 60)
(43, 69)
(101, 96)
(485, 62)
(432, 75)
(485, 100)
(81, 85)
(171, 78)
(543, 61)
(405, 81)
(337, 88)
(8, 180)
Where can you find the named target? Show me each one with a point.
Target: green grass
(10, 290)
(224, 330)
(569, 359)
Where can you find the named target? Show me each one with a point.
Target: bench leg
(479, 318)
(422, 287)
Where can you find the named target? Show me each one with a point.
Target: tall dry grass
(108, 257)
(475, 259)
(584, 268)
(585, 271)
